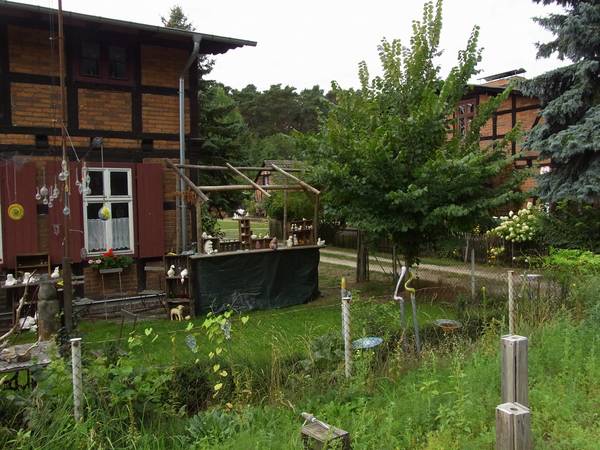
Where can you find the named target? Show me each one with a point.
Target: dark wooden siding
(18, 186)
(150, 221)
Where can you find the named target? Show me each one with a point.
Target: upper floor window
(464, 115)
(104, 62)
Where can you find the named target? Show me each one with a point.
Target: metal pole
(511, 304)
(180, 199)
(77, 378)
(473, 274)
(66, 261)
(346, 297)
(415, 321)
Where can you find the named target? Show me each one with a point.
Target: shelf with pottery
(178, 285)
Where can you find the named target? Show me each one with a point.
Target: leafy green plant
(111, 260)
(212, 427)
(520, 227)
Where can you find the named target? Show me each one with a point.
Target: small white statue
(204, 235)
(27, 278)
(320, 242)
(208, 247)
(171, 271)
(10, 280)
(289, 243)
(183, 274)
(295, 240)
(56, 274)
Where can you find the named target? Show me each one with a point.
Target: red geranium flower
(109, 253)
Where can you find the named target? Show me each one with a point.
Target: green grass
(230, 227)
(289, 326)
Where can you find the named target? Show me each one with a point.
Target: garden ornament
(177, 313)
(295, 240)
(104, 212)
(10, 280)
(400, 300)
(320, 242)
(171, 272)
(183, 274)
(289, 243)
(273, 244)
(208, 247)
(56, 273)
(26, 277)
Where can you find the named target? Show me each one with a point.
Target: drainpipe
(182, 206)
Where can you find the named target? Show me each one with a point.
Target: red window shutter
(149, 207)
(18, 186)
(56, 217)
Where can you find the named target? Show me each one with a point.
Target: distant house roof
(210, 44)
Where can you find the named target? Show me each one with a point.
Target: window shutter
(19, 236)
(149, 207)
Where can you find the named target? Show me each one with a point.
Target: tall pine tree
(569, 132)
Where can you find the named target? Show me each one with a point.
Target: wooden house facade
(517, 109)
(122, 119)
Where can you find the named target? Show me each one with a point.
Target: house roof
(209, 44)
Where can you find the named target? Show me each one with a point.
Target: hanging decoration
(16, 211)
(47, 194)
(84, 184)
(104, 212)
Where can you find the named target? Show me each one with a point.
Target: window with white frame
(113, 188)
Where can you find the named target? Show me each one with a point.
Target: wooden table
(11, 367)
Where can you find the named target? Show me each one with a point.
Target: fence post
(77, 378)
(511, 304)
(514, 378)
(513, 427)
(346, 297)
(473, 295)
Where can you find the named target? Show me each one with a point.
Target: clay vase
(47, 309)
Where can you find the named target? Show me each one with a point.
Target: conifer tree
(569, 132)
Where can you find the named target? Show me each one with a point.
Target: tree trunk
(362, 258)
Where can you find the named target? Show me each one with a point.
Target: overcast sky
(303, 43)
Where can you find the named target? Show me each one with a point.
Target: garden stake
(77, 378)
(511, 304)
(400, 301)
(413, 301)
(346, 297)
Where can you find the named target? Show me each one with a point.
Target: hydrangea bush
(520, 227)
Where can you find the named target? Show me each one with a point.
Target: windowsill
(116, 252)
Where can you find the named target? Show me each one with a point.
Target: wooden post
(285, 202)
(473, 294)
(77, 378)
(199, 225)
(511, 304)
(514, 378)
(316, 220)
(67, 293)
(513, 427)
(346, 333)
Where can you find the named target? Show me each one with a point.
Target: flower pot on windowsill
(113, 270)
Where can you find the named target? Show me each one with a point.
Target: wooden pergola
(296, 185)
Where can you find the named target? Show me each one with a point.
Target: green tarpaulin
(260, 279)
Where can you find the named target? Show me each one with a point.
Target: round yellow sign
(16, 211)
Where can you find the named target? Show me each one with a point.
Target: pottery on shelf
(289, 243)
(56, 274)
(208, 247)
(171, 271)
(295, 240)
(10, 280)
(273, 244)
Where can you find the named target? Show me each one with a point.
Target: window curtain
(97, 234)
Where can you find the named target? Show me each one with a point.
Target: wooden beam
(316, 221)
(296, 179)
(189, 182)
(256, 186)
(224, 168)
(249, 187)
(513, 427)
(514, 379)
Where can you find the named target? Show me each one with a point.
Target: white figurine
(208, 247)
(56, 274)
(10, 280)
(295, 240)
(171, 272)
(204, 235)
(183, 274)
(320, 242)
(289, 243)
(26, 277)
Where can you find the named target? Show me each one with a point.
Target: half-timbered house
(123, 120)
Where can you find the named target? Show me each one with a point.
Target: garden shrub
(572, 225)
(565, 265)
(212, 427)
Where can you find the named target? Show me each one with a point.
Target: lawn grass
(229, 227)
(291, 327)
